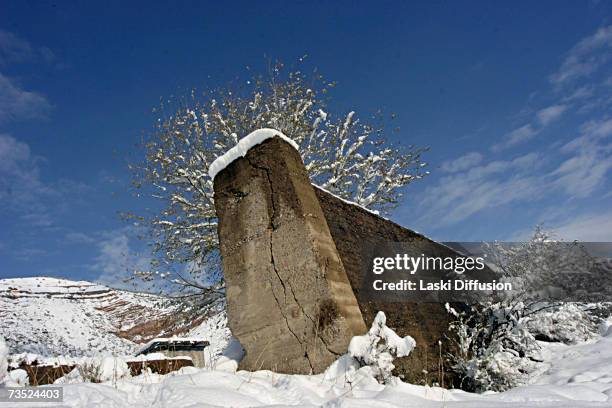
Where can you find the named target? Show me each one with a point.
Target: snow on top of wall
(177, 339)
(156, 356)
(16, 360)
(243, 146)
(375, 212)
(253, 139)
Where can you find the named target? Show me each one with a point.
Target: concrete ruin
(290, 303)
(292, 261)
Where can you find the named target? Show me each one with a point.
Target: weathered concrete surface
(354, 229)
(290, 303)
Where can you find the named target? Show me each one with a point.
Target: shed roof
(173, 343)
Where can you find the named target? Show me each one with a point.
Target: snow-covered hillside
(50, 316)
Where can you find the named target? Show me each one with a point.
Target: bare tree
(344, 155)
(545, 269)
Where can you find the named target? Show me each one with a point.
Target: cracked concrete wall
(290, 303)
(354, 229)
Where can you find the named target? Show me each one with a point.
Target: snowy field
(575, 376)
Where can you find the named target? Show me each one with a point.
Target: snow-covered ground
(576, 376)
(572, 376)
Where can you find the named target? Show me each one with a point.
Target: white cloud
(576, 169)
(464, 162)
(20, 184)
(568, 171)
(519, 135)
(598, 129)
(117, 260)
(23, 192)
(585, 57)
(543, 118)
(590, 159)
(458, 196)
(13, 48)
(12, 152)
(550, 114)
(587, 228)
(582, 92)
(17, 103)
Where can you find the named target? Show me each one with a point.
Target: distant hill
(50, 316)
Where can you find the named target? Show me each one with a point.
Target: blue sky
(513, 99)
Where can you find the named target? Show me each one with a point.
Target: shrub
(495, 351)
(567, 323)
(90, 371)
(379, 347)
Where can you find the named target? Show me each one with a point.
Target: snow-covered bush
(343, 154)
(496, 343)
(3, 359)
(494, 349)
(103, 369)
(379, 347)
(496, 338)
(567, 323)
(90, 371)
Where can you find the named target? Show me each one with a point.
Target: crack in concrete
(272, 227)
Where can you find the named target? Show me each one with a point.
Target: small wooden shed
(178, 346)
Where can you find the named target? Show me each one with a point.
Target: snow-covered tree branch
(544, 268)
(344, 155)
